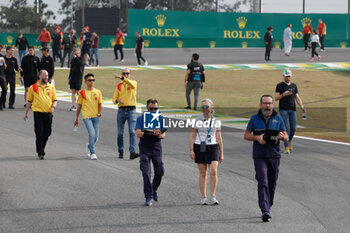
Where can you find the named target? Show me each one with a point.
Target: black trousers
(65, 53)
(11, 79)
(139, 56)
(313, 46)
(42, 128)
(268, 48)
(3, 84)
(120, 48)
(57, 53)
(322, 41)
(306, 38)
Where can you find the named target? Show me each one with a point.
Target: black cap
(45, 49)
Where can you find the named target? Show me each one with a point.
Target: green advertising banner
(211, 29)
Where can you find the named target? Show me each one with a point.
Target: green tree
(19, 17)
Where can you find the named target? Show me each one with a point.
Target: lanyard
(208, 132)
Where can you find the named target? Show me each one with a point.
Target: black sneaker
(41, 157)
(134, 155)
(1, 108)
(188, 107)
(121, 155)
(266, 217)
(11, 107)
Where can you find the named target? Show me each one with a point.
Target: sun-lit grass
(239, 89)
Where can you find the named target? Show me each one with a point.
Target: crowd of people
(311, 39)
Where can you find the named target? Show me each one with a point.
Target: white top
(208, 130)
(287, 34)
(1, 58)
(315, 38)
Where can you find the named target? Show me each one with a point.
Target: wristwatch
(99, 114)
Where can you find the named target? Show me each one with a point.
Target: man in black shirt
(140, 44)
(287, 93)
(76, 75)
(68, 43)
(3, 82)
(12, 66)
(22, 44)
(268, 38)
(86, 42)
(194, 78)
(47, 63)
(30, 69)
(57, 45)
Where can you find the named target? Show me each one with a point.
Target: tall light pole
(83, 13)
(37, 16)
(303, 6)
(217, 5)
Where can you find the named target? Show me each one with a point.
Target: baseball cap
(58, 27)
(287, 73)
(45, 49)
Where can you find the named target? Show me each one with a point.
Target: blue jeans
(92, 52)
(92, 128)
(290, 121)
(21, 54)
(130, 116)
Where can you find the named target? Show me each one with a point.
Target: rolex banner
(211, 29)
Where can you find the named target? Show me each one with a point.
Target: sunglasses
(91, 80)
(205, 106)
(125, 73)
(153, 109)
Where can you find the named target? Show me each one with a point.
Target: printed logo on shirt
(151, 120)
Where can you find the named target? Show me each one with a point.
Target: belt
(127, 108)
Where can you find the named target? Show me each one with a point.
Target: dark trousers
(42, 128)
(45, 44)
(11, 79)
(120, 48)
(145, 166)
(322, 41)
(57, 53)
(268, 48)
(313, 46)
(65, 53)
(196, 87)
(3, 84)
(306, 38)
(266, 173)
(139, 56)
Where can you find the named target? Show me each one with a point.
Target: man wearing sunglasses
(266, 151)
(151, 150)
(125, 97)
(90, 104)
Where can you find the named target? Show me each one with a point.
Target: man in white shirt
(287, 39)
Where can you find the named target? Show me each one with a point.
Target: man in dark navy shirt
(12, 66)
(266, 151)
(268, 38)
(22, 44)
(151, 149)
(140, 44)
(47, 63)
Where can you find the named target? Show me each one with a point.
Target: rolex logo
(244, 44)
(147, 42)
(343, 44)
(304, 21)
(112, 42)
(160, 20)
(9, 39)
(277, 44)
(212, 44)
(179, 43)
(241, 22)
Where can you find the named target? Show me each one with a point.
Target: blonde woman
(206, 149)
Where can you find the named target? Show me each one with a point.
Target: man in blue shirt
(266, 151)
(150, 129)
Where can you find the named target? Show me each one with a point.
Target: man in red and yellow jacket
(42, 98)
(306, 34)
(125, 97)
(322, 31)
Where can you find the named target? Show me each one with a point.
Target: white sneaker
(73, 109)
(87, 150)
(93, 157)
(122, 60)
(214, 201)
(204, 201)
(146, 63)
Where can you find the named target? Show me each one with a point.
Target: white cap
(287, 73)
